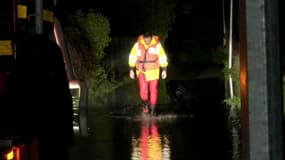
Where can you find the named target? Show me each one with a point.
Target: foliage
(218, 55)
(234, 105)
(156, 16)
(95, 29)
(88, 36)
(234, 72)
(233, 101)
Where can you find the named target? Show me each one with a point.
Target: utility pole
(39, 16)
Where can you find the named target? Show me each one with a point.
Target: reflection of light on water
(150, 145)
(166, 148)
(136, 149)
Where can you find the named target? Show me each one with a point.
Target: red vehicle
(42, 106)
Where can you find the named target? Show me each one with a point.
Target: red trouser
(148, 89)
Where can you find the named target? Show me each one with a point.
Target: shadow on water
(203, 136)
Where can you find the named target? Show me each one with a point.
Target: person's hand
(163, 74)
(132, 74)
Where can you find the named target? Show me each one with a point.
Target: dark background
(200, 20)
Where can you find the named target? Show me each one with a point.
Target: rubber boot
(152, 108)
(145, 107)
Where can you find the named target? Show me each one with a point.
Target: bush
(87, 37)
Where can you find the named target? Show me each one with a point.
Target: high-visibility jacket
(148, 59)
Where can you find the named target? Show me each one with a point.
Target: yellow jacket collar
(154, 41)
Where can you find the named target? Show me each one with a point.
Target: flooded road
(163, 137)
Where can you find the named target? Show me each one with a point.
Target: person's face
(147, 40)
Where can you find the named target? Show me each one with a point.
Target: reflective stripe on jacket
(148, 58)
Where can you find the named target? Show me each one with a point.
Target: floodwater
(202, 136)
(163, 137)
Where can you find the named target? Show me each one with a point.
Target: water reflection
(150, 145)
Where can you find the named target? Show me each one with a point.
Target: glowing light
(74, 85)
(150, 145)
(56, 36)
(10, 155)
(243, 78)
(14, 154)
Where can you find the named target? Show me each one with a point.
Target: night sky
(195, 19)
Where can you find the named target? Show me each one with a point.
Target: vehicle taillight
(13, 154)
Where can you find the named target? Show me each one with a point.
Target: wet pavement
(202, 136)
(163, 137)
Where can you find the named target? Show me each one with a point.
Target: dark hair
(147, 34)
